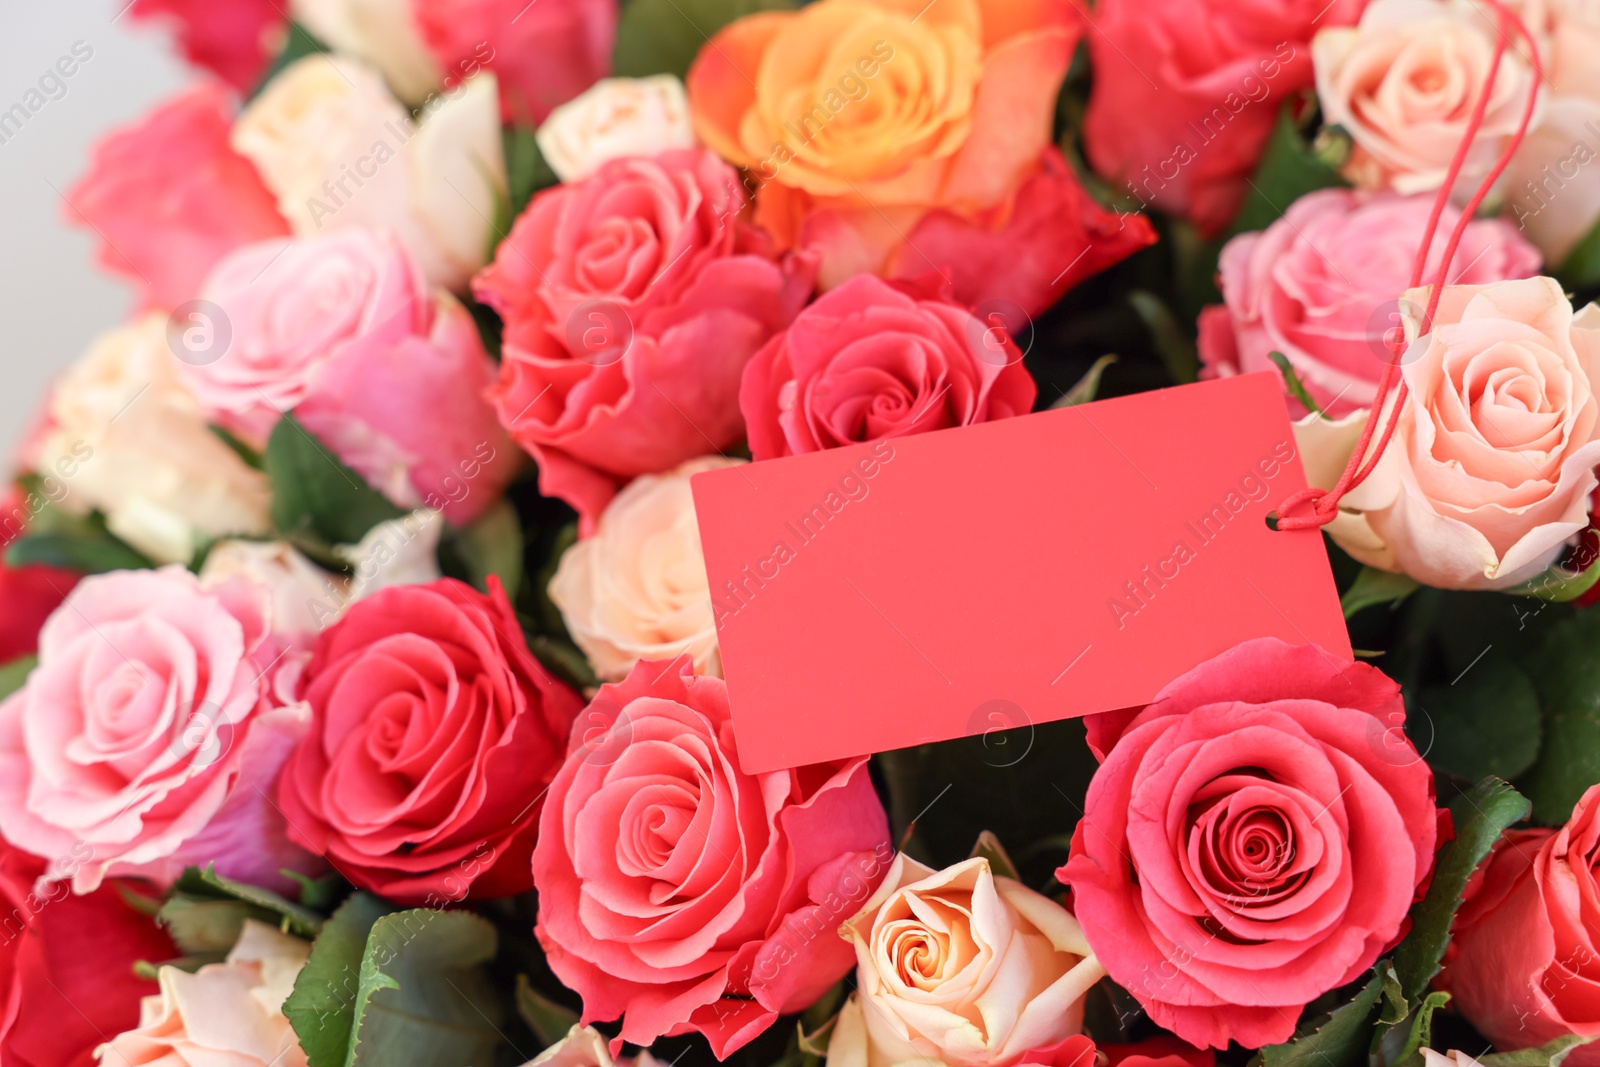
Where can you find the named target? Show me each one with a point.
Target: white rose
(304, 597)
(140, 451)
(401, 551)
(381, 32)
(584, 1046)
(337, 149)
(637, 589)
(613, 118)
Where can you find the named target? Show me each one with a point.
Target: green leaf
(1559, 585)
(198, 925)
(1581, 268)
(527, 172)
(549, 1021)
(1289, 169)
(85, 546)
(1488, 725)
(989, 847)
(1395, 1005)
(1566, 672)
(1172, 344)
(14, 675)
(1337, 1039)
(1549, 1054)
(247, 454)
(564, 660)
(314, 493)
(1087, 386)
(424, 999)
(297, 44)
(1481, 815)
(493, 545)
(664, 36)
(319, 894)
(1373, 586)
(322, 1007)
(209, 885)
(1292, 382)
(1399, 1044)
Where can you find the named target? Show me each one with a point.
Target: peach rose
(961, 967)
(229, 1012)
(637, 589)
(1403, 83)
(613, 118)
(1492, 463)
(876, 127)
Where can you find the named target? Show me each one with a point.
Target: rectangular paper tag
(1063, 563)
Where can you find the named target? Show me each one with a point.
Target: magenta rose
(434, 734)
(1320, 286)
(868, 361)
(168, 196)
(632, 301)
(342, 330)
(146, 738)
(1253, 839)
(1186, 95)
(682, 895)
(1524, 961)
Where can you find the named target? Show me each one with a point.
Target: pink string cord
(1324, 503)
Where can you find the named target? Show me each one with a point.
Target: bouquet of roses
(363, 695)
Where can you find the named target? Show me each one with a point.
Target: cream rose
(143, 453)
(1403, 83)
(380, 32)
(637, 589)
(961, 967)
(613, 118)
(304, 597)
(1492, 461)
(337, 149)
(584, 1046)
(229, 1012)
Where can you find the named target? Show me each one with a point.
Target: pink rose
(234, 39)
(543, 54)
(683, 895)
(1525, 946)
(1252, 839)
(343, 331)
(146, 736)
(168, 196)
(1319, 286)
(868, 362)
(632, 301)
(1185, 95)
(434, 735)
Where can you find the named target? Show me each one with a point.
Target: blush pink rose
(434, 735)
(543, 54)
(632, 301)
(1185, 95)
(682, 895)
(1252, 839)
(342, 330)
(145, 738)
(867, 362)
(1524, 962)
(234, 39)
(168, 196)
(1319, 285)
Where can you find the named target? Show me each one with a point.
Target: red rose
(632, 301)
(66, 966)
(1185, 95)
(27, 594)
(1524, 964)
(234, 39)
(168, 197)
(683, 895)
(1253, 839)
(867, 361)
(1158, 1052)
(434, 734)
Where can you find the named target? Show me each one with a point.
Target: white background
(53, 300)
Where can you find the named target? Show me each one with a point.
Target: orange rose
(898, 136)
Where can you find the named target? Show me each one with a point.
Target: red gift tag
(1038, 568)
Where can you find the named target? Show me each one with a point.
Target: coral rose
(638, 589)
(897, 138)
(235, 40)
(868, 361)
(167, 196)
(961, 967)
(343, 330)
(142, 741)
(1524, 962)
(1185, 95)
(1253, 839)
(613, 118)
(682, 895)
(1490, 469)
(632, 301)
(434, 734)
(1403, 84)
(1319, 286)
